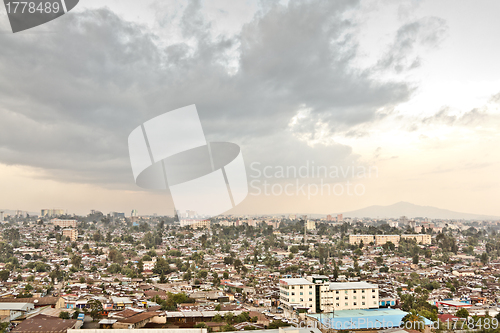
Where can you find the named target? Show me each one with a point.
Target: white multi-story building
(316, 294)
(347, 296)
(297, 294)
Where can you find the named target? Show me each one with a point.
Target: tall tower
(305, 232)
(1, 217)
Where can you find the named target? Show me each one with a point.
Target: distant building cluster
(383, 239)
(51, 212)
(196, 224)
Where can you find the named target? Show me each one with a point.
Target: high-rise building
(51, 212)
(311, 225)
(1, 217)
(340, 218)
(403, 221)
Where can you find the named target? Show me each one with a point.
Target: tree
(11, 235)
(217, 307)
(64, 315)
(95, 309)
(229, 317)
(276, 324)
(4, 275)
(484, 258)
(416, 320)
(116, 256)
(238, 265)
(162, 266)
(75, 314)
(187, 276)
(76, 261)
(202, 274)
(462, 313)
(415, 259)
(228, 328)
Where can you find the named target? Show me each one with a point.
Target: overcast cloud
(95, 77)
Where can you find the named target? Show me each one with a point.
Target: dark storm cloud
(69, 99)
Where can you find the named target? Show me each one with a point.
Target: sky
(408, 90)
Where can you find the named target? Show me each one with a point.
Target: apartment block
(196, 224)
(348, 296)
(64, 223)
(356, 239)
(317, 294)
(71, 233)
(382, 239)
(297, 294)
(420, 238)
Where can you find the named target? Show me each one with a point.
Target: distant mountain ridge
(411, 211)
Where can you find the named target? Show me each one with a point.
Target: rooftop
(43, 323)
(295, 281)
(352, 285)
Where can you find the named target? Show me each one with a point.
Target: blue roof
(362, 319)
